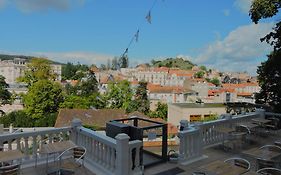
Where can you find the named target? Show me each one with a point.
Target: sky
(217, 34)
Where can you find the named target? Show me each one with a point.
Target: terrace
(199, 145)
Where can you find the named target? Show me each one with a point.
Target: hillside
(11, 57)
(173, 63)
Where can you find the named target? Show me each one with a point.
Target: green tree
(119, 95)
(5, 95)
(43, 97)
(37, 69)
(88, 84)
(199, 74)
(140, 102)
(115, 64)
(269, 72)
(68, 71)
(124, 61)
(215, 81)
(160, 112)
(203, 68)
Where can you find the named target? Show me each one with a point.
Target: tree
(269, 76)
(89, 84)
(68, 71)
(269, 72)
(199, 74)
(5, 95)
(160, 112)
(124, 61)
(43, 97)
(37, 69)
(119, 95)
(215, 81)
(115, 64)
(141, 102)
(203, 68)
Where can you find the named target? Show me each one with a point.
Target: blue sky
(218, 34)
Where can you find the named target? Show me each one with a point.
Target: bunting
(137, 36)
(148, 17)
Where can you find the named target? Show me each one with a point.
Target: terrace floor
(214, 153)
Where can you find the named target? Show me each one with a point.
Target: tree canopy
(269, 72)
(5, 95)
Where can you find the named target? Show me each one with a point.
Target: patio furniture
(240, 162)
(225, 131)
(263, 163)
(278, 143)
(72, 163)
(55, 148)
(273, 124)
(249, 129)
(219, 167)
(10, 169)
(11, 155)
(274, 148)
(269, 171)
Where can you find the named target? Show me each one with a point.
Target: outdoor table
(219, 167)
(56, 147)
(249, 125)
(261, 121)
(262, 153)
(6, 156)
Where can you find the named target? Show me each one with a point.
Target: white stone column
(76, 123)
(122, 154)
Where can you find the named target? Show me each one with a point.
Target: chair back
(237, 161)
(243, 128)
(269, 171)
(263, 163)
(79, 152)
(10, 169)
(274, 148)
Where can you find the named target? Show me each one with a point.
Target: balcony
(199, 145)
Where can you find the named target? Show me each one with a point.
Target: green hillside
(173, 63)
(11, 57)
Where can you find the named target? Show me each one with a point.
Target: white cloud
(41, 5)
(75, 57)
(240, 50)
(243, 5)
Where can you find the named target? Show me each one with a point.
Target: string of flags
(135, 37)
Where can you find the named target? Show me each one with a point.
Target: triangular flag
(137, 36)
(148, 17)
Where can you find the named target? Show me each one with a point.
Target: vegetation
(5, 95)
(199, 74)
(160, 112)
(269, 72)
(73, 72)
(173, 63)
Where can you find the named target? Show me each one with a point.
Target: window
(195, 118)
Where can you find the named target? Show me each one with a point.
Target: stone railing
(110, 156)
(194, 138)
(30, 142)
(104, 155)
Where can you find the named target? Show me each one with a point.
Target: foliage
(88, 85)
(21, 119)
(203, 68)
(37, 69)
(140, 102)
(5, 95)
(160, 112)
(79, 102)
(43, 97)
(173, 63)
(269, 75)
(215, 81)
(124, 61)
(114, 64)
(73, 72)
(119, 95)
(269, 72)
(199, 74)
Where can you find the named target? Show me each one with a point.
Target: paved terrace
(212, 153)
(107, 156)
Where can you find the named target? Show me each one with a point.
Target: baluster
(112, 160)
(137, 158)
(50, 138)
(9, 144)
(26, 147)
(34, 146)
(18, 144)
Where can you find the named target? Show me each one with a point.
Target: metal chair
(10, 169)
(263, 163)
(71, 159)
(237, 161)
(269, 171)
(272, 148)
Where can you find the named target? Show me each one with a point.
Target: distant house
(91, 117)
